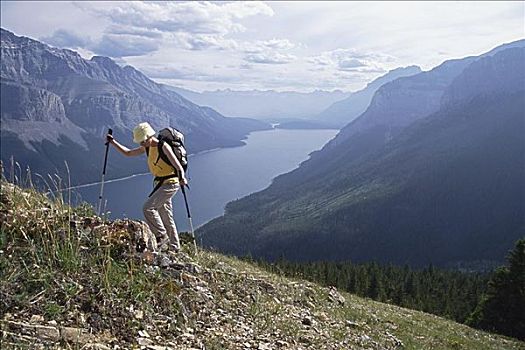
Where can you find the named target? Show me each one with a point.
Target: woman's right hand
(109, 138)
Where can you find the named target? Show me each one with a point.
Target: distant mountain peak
(264, 104)
(10, 38)
(346, 110)
(105, 61)
(513, 44)
(394, 74)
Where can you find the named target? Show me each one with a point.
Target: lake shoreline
(217, 177)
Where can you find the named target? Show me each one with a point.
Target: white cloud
(270, 58)
(124, 45)
(258, 46)
(139, 28)
(197, 42)
(64, 38)
(267, 51)
(186, 17)
(352, 60)
(187, 25)
(130, 30)
(281, 44)
(351, 63)
(243, 44)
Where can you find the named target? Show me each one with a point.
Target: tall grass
(54, 256)
(39, 225)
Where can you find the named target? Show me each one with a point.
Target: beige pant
(158, 213)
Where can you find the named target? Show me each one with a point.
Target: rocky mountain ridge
(72, 101)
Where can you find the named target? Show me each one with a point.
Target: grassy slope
(88, 275)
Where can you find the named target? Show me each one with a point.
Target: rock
(138, 314)
(158, 347)
(335, 296)
(144, 341)
(188, 280)
(74, 335)
(308, 321)
(352, 324)
(164, 261)
(178, 266)
(47, 332)
(95, 321)
(37, 319)
(281, 343)
(264, 346)
(321, 316)
(144, 334)
(365, 338)
(396, 340)
(148, 257)
(192, 268)
(96, 346)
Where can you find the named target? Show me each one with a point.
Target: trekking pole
(189, 218)
(110, 132)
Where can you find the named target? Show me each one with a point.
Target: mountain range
(265, 105)
(432, 172)
(318, 109)
(56, 107)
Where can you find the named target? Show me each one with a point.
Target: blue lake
(216, 177)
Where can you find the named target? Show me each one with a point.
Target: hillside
(345, 111)
(438, 179)
(73, 280)
(56, 107)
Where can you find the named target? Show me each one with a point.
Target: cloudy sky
(299, 46)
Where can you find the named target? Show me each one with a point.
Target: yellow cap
(142, 132)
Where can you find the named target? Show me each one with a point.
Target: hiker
(168, 179)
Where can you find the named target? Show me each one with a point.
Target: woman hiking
(168, 179)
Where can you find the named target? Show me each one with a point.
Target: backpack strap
(161, 180)
(159, 151)
(162, 155)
